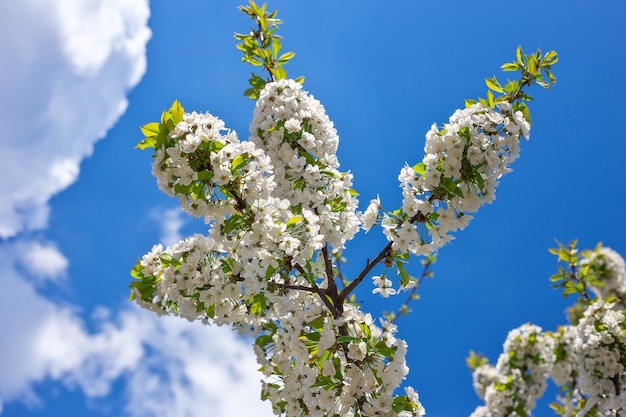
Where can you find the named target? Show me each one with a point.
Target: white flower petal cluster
(610, 267)
(383, 286)
(335, 367)
(297, 135)
(274, 205)
(519, 377)
(371, 214)
(462, 164)
(600, 352)
(201, 156)
(564, 368)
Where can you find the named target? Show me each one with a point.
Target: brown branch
(368, 267)
(331, 286)
(299, 269)
(319, 291)
(419, 218)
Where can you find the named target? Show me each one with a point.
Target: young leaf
(511, 66)
(146, 143)
(493, 84)
(177, 111)
(519, 55)
(284, 58)
(150, 129)
(469, 102)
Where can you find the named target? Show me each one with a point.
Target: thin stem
(418, 217)
(368, 267)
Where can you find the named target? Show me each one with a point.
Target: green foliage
(578, 276)
(533, 69)
(475, 360)
(142, 286)
(261, 48)
(155, 133)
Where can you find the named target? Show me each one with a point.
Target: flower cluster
(600, 351)
(336, 367)
(211, 172)
(587, 359)
(609, 266)
(462, 164)
(519, 377)
(277, 206)
(299, 138)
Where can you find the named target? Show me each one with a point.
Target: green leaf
(240, 161)
(205, 175)
(511, 66)
(257, 81)
(544, 84)
(450, 185)
(469, 102)
(493, 84)
(550, 76)
(346, 339)
(177, 112)
(263, 340)
(279, 73)
(490, 99)
(258, 304)
(150, 129)
(252, 93)
(294, 220)
(420, 169)
(313, 336)
(135, 272)
(146, 143)
(271, 270)
(550, 58)
(253, 61)
(475, 360)
(404, 276)
(284, 58)
(168, 260)
(511, 86)
(519, 55)
(233, 222)
(275, 46)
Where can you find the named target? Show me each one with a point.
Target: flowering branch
(279, 212)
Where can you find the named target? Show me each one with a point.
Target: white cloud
(170, 221)
(169, 367)
(43, 260)
(64, 76)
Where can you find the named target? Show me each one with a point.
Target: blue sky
(77, 211)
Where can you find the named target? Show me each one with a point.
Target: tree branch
(368, 267)
(319, 291)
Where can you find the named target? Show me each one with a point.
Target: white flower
(369, 217)
(293, 125)
(384, 286)
(357, 351)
